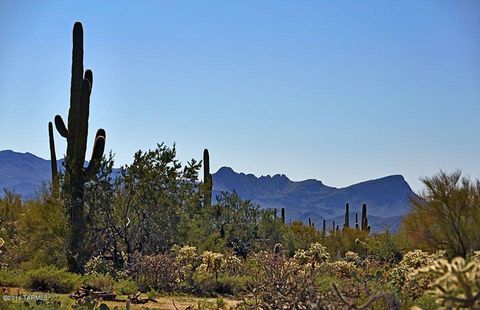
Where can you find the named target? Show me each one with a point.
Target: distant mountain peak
(386, 197)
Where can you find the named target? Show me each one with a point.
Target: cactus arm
(97, 154)
(60, 125)
(53, 156)
(89, 77)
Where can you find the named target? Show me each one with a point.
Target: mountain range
(387, 198)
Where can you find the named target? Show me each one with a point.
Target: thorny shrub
(456, 284)
(283, 283)
(404, 276)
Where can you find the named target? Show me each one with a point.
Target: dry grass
(163, 302)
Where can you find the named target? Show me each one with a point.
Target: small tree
(446, 215)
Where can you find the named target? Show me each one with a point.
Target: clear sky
(341, 91)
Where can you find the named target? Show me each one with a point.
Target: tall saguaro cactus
(207, 179)
(76, 134)
(347, 216)
(365, 226)
(324, 227)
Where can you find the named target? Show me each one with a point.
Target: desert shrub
(384, 246)
(352, 257)
(12, 278)
(126, 287)
(424, 302)
(52, 279)
(456, 284)
(342, 269)
(205, 283)
(446, 216)
(212, 262)
(98, 265)
(2, 263)
(299, 236)
(279, 282)
(232, 264)
(360, 285)
(316, 254)
(42, 231)
(157, 272)
(219, 274)
(404, 276)
(232, 285)
(100, 282)
(185, 257)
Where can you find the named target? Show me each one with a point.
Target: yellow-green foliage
(456, 284)
(185, 258)
(352, 257)
(447, 216)
(300, 236)
(100, 282)
(212, 262)
(316, 253)
(343, 269)
(51, 279)
(404, 275)
(35, 235)
(126, 287)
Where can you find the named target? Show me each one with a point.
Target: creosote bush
(51, 279)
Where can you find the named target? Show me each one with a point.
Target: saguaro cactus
(365, 226)
(347, 217)
(283, 215)
(207, 179)
(76, 135)
(324, 228)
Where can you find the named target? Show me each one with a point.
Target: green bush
(12, 278)
(52, 279)
(207, 284)
(232, 285)
(100, 282)
(204, 282)
(126, 287)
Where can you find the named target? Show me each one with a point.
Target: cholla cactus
(1, 245)
(404, 276)
(457, 283)
(184, 260)
(343, 269)
(352, 257)
(185, 255)
(212, 262)
(232, 264)
(476, 256)
(316, 253)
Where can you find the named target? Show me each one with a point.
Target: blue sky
(341, 91)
